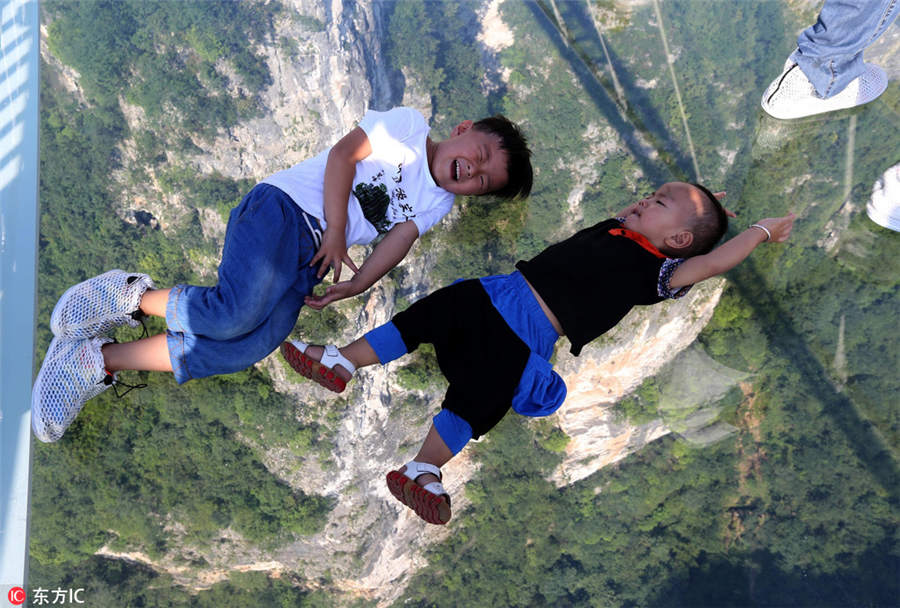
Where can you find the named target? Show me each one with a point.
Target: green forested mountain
(126, 464)
(797, 507)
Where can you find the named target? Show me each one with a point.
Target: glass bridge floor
(735, 448)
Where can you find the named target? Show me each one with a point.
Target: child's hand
(335, 292)
(333, 252)
(627, 210)
(779, 227)
(719, 196)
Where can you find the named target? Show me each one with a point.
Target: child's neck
(430, 148)
(645, 241)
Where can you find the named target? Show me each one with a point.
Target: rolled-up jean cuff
(387, 342)
(175, 343)
(455, 431)
(175, 339)
(172, 320)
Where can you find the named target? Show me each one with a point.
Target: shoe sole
(312, 369)
(819, 117)
(430, 507)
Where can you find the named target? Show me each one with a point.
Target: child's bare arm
(339, 171)
(732, 252)
(387, 254)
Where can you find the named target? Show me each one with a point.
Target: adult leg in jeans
(830, 52)
(827, 72)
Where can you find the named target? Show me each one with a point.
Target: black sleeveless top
(592, 279)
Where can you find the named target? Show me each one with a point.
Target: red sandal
(430, 502)
(322, 371)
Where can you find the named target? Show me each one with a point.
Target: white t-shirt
(391, 185)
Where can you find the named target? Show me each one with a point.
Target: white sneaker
(99, 305)
(72, 373)
(792, 95)
(884, 206)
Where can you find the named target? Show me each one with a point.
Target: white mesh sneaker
(72, 373)
(99, 305)
(792, 95)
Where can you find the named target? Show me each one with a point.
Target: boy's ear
(679, 240)
(461, 128)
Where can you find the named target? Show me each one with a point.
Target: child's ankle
(154, 301)
(346, 354)
(104, 351)
(426, 478)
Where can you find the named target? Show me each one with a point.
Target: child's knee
(387, 342)
(453, 430)
(228, 327)
(241, 318)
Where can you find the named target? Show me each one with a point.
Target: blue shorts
(492, 342)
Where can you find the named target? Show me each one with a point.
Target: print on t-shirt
(375, 199)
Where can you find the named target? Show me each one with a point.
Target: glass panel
(19, 58)
(737, 446)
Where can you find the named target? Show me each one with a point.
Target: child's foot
(418, 486)
(72, 373)
(99, 305)
(322, 364)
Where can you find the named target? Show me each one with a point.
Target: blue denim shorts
(263, 278)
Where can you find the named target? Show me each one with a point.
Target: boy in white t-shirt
(386, 176)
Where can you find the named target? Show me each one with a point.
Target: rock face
(371, 545)
(321, 88)
(610, 368)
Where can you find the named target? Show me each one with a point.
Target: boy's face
(664, 216)
(471, 162)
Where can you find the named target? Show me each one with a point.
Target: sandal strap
(415, 469)
(300, 345)
(332, 356)
(436, 488)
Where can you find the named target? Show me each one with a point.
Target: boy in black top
(494, 336)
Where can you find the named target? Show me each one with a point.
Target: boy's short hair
(708, 228)
(518, 157)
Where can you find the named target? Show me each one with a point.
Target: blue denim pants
(830, 52)
(263, 278)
